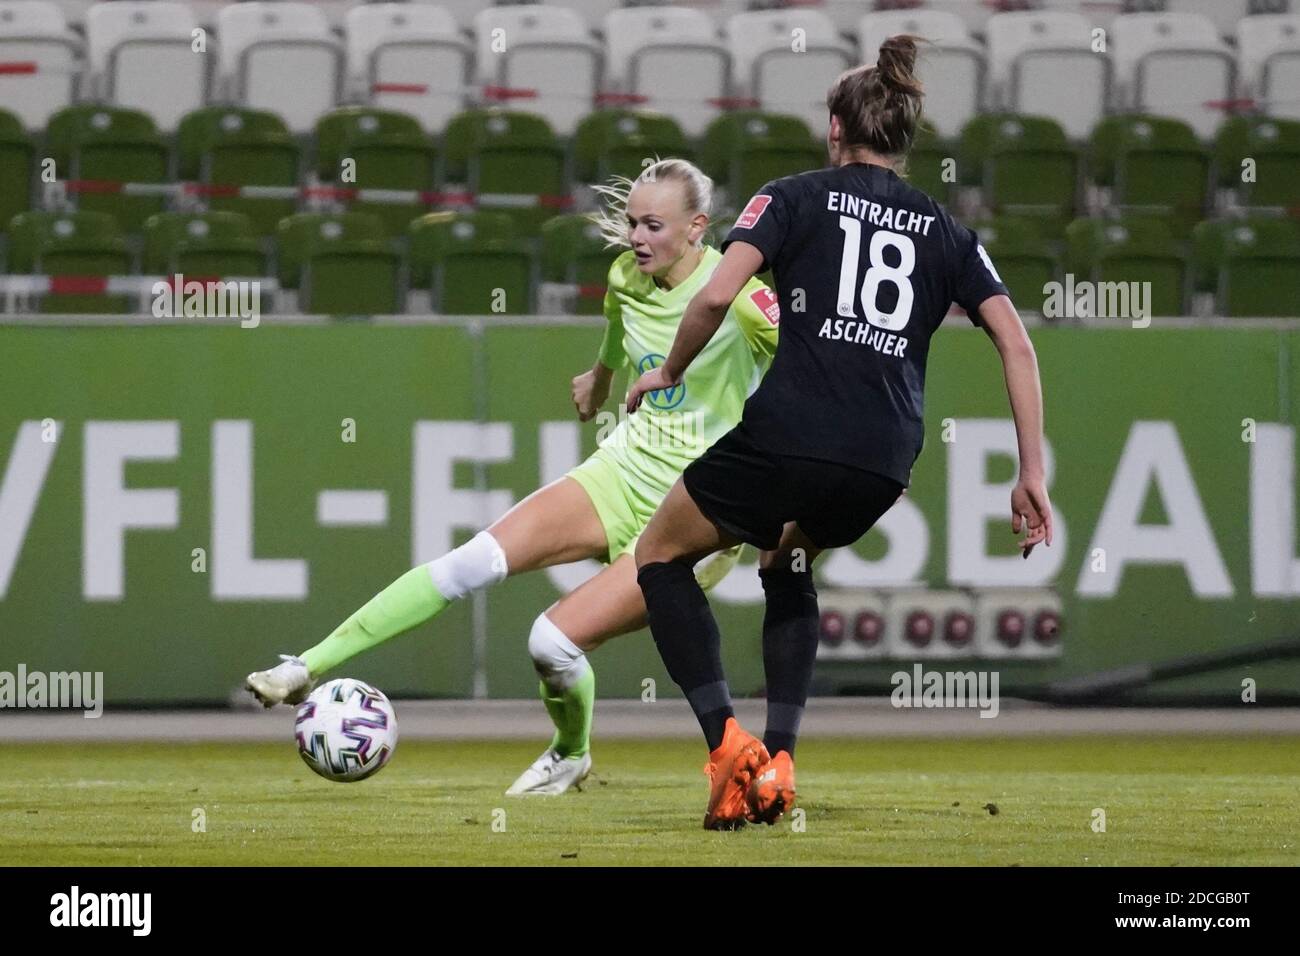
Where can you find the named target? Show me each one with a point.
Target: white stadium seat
(1174, 64)
(463, 11)
(410, 57)
(766, 65)
(671, 56)
(951, 65)
(1268, 47)
(1224, 14)
(141, 56)
(40, 61)
(269, 50)
(75, 11)
(593, 12)
(1098, 13)
(543, 50)
(1042, 63)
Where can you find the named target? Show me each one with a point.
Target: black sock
(687, 637)
(790, 632)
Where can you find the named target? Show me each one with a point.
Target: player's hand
(1031, 510)
(651, 381)
(589, 392)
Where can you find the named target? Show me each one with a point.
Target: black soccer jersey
(866, 267)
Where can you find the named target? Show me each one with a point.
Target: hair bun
(896, 65)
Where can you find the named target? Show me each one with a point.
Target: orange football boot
(772, 791)
(731, 767)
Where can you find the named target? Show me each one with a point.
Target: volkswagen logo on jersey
(663, 398)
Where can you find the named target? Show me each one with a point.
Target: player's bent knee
(558, 661)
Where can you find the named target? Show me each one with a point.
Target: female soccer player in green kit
(600, 507)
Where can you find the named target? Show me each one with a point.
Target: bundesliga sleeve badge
(752, 211)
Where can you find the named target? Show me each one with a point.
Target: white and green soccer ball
(346, 730)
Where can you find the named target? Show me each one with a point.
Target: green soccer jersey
(675, 426)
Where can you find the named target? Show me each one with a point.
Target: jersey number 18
(878, 271)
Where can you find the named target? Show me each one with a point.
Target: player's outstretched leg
(554, 525)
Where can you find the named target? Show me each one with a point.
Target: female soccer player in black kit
(866, 268)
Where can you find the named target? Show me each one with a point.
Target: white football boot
(551, 774)
(286, 683)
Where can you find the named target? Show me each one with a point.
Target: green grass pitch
(1177, 800)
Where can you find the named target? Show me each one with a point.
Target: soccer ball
(346, 730)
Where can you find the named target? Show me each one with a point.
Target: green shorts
(625, 507)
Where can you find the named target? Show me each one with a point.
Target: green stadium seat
(1131, 250)
(70, 244)
(202, 245)
(574, 252)
(1251, 265)
(390, 151)
(342, 264)
(1274, 147)
(110, 145)
(617, 142)
(15, 168)
(925, 164)
(227, 145)
(1154, 166)
(745, 149)
(1024, 258)
(1026, 166)
(473, 263)
(510, 161)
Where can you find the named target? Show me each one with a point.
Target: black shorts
(751, 493)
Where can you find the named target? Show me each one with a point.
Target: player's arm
(701, 319)
(1029, 501)
(590, 390)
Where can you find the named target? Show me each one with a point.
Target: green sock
(408, 601)
(570, 711)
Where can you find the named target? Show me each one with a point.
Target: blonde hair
(611, 219)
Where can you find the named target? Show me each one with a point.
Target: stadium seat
(617, 142)
(1026, 166)
(410, 57)
(341, 264)
(1153, 165)
(390, 151)
(462, 11)
(1269, 52)
(202, 245)
(951, 65)
(1252, 265)
(574, 253)
(1174, 65)
(925, 164)
(747, 148)
(784, 77)
(43, 61)
(548, 59)
(1024, 259)
(508, 160)
(15, 168)
(1041, 63)
(473, 263)
(1273, 148)
(98, 146)
(265, 52)
(228, 146)
(141, 57)
(1132, 250)
(70, 244)
(669, 59)
(1223, 14)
